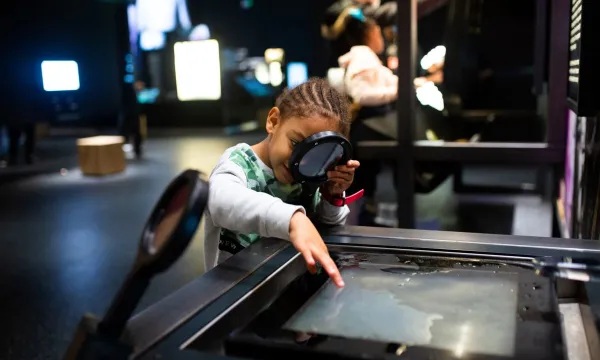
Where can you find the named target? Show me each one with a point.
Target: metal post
(558, 68)
(540, 53)
(407, 50)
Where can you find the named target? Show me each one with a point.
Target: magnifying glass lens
(320, 159)
(170, 217)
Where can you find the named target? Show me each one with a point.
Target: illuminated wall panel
(198, 70)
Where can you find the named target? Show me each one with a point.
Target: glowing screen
(60, 75)
(297, 73)
(198, 70)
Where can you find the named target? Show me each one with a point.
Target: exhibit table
(409, 293)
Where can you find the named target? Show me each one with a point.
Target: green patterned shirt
(237, 217)
(260, 178)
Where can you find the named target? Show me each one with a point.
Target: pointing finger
(330, 268)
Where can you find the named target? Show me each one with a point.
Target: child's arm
(331, 215)
(365, 89)
(339, 180)
(233, 206)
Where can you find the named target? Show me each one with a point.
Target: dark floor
(67, 241)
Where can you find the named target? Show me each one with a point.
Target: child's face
(285, 134)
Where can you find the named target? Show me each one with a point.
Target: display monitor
(60, 75)
(155, 26)
(297, 73)
(198, 70)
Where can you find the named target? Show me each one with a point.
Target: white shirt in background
(367, 81)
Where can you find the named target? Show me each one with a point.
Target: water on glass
(458, 310)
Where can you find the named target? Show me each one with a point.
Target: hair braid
(316, 97)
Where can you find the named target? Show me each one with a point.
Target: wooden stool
(101, 155)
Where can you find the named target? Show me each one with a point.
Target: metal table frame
(164, 328)
(405, 151)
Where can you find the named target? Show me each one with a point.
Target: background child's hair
(353, 33)
(316, 97)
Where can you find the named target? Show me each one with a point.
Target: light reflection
(435, 56)
(463, 340)
(261, 72)
(335, 77)
(274, 55)
(429, 95)
(275, 74)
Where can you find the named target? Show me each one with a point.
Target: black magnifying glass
(166, 235)
(312, 158)
(169, 230)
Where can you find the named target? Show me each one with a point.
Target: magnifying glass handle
(124, 304)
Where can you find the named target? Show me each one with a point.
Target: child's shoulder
(241, 155)
(241, 159)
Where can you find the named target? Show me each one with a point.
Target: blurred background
(105, 101)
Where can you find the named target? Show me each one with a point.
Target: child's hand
(340, 178)
(308, 242)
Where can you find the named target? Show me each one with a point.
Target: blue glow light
(357, 14)
(297, 73)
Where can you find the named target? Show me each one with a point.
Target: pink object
(569, 166)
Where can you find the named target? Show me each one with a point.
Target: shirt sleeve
(331, 215)
(233, 206)
(183, 15)
(365, 89)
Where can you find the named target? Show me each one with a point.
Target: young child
(367, 81)
(373, 87)
(253, 194)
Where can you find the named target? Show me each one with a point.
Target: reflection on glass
(456, 310)
(320, 159)
(170, 219)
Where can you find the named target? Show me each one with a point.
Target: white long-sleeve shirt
(367, 81)
(246, 203)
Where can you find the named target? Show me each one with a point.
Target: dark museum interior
(333, 179)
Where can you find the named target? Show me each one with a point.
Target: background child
(253, 194)
(374, 88)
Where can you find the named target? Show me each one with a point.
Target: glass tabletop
(431, 306)
(451, 309)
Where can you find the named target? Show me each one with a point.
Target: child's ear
(273, 120)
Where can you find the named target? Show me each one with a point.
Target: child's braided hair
(316, 97)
